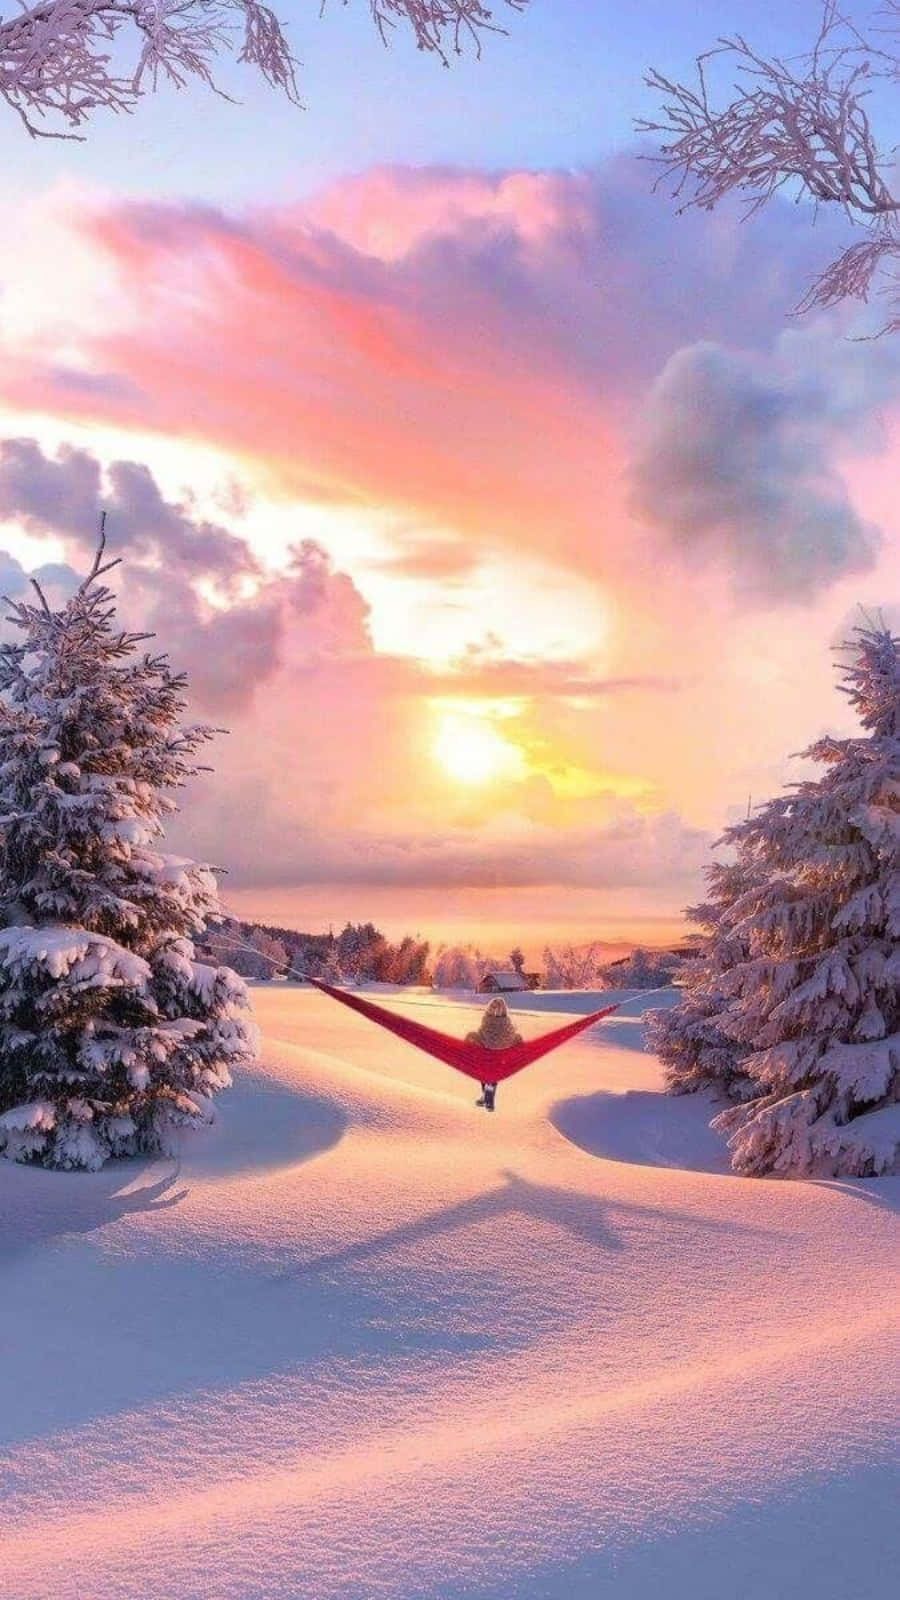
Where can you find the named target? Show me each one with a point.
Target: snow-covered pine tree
(643, 969)
(816, 998)
(111, 1032)
(688, 1037)
(455, 967)
(250, 951)
(325, 965)
(572, 967)
(361, 952)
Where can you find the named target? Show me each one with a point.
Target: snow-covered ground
(366, 1341)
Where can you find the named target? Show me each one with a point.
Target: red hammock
(487, 1066)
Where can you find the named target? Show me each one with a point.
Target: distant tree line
(589, 967)
(360, 953)
(568, 967)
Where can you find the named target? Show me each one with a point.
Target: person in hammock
(495, 1032)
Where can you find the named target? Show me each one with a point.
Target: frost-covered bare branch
(799, 125)
(441, 26)
(59, 60)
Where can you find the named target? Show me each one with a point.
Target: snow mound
(260, 1125)
(651, 1130)
(364, 1342)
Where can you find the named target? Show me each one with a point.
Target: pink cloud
(473, 352)
(460, 346)
(327, 772)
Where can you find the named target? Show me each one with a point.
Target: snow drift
(363, 1343)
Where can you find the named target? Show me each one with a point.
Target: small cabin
(508, 982)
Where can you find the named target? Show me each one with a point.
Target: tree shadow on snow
(646, 1128)
(882, 1192)
(260, 1124)
(38, 1206)
(582, 1216)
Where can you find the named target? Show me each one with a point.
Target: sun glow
(472, 751)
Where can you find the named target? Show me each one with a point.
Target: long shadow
(37, 1206)
(646, 1128)
(580, 1215)
(886, 1198)
(261, 1124)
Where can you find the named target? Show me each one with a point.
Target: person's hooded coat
(496, 1030)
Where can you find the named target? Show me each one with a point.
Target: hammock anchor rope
(475, 1060)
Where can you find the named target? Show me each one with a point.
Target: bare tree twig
(800, 126)
(57, 62)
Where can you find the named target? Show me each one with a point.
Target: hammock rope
(475, 1060)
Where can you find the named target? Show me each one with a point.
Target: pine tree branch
(41, 597)
(98, 567)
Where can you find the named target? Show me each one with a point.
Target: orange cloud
(334, 760)
(470, 354)
(451, 376)
(464, 348)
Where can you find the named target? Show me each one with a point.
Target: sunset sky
(505, 517)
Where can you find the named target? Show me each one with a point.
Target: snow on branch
(792, 1006)
(801, 125)
(440, 26)
(112, 1033)
(56, 61)
(57, 58)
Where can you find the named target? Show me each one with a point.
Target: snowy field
(363, 1340)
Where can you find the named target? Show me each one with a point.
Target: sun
(472, 751)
